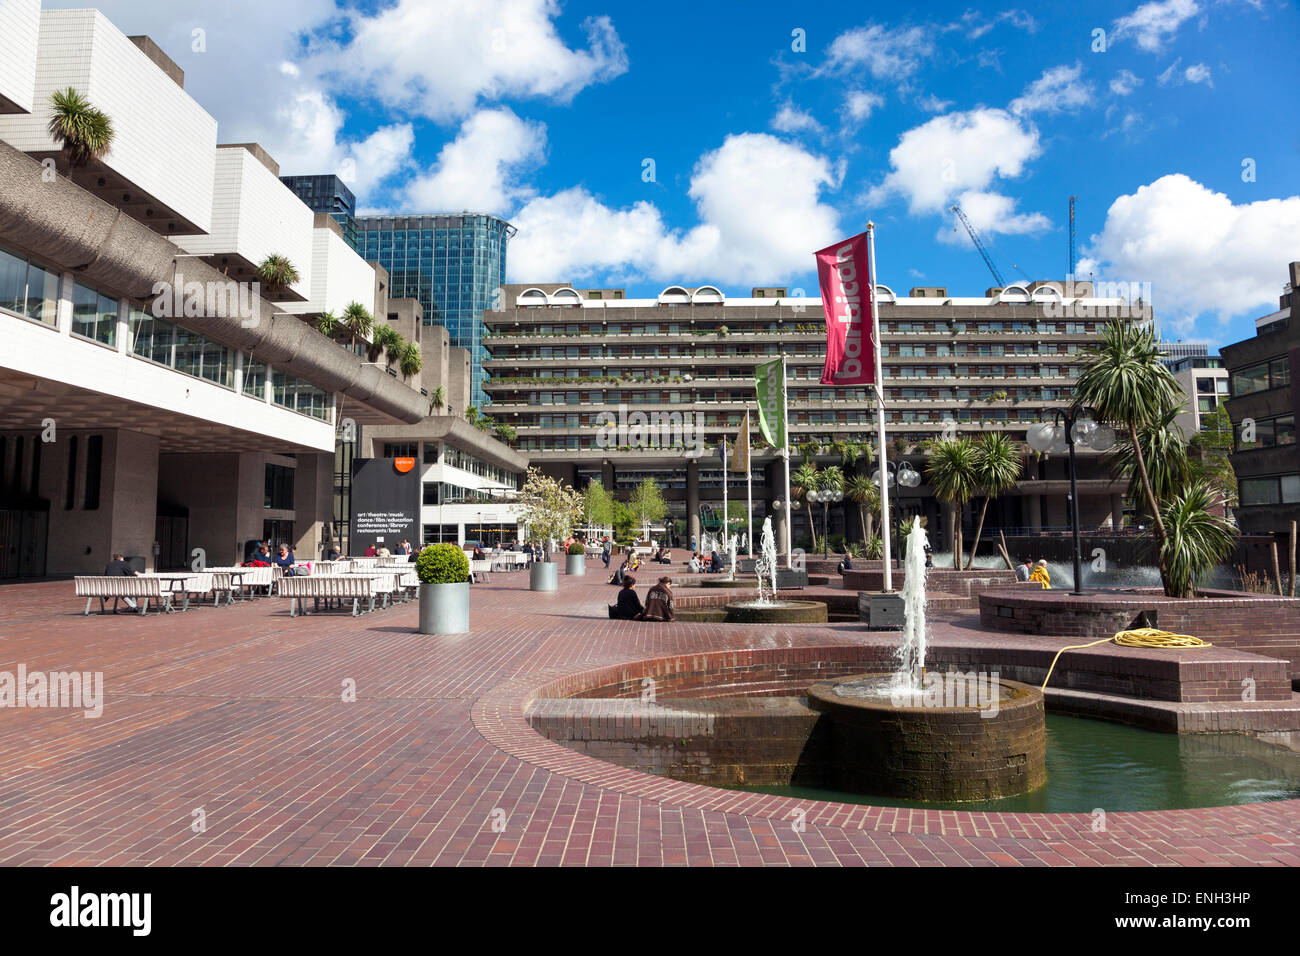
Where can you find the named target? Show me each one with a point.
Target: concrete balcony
(161, 165)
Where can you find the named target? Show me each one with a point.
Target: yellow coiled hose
(1138, 637)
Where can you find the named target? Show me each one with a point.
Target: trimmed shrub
(442, 564)
(577, 548)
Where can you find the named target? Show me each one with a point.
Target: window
(94, 470)
(1268, 433)
(151, 338)
(1265, 375)
(407, 449)
(255, 378)
(94, 315)
(303, 397)
(1275, 489)
(279, 488)
(28, 289)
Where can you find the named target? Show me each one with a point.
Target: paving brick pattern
(241, 712)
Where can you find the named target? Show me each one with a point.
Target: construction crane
(975, 238)
(1073, 260)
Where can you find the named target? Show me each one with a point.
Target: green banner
(768, 379)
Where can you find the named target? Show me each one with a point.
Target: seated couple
(658, 602)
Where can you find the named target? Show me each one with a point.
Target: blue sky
(546, 114)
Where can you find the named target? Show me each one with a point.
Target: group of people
(1029, 571)
(658, 602)
(631, 561)
(713, 564)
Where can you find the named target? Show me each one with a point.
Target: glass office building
(453, 264)
(327, 193)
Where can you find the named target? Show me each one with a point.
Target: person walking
(606, 550)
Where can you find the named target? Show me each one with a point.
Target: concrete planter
(575, 564)
(544, 576)
(444, 608)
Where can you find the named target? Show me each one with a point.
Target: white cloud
(1057, 90)
(442, 59)
(1198, 73)
(932, 104)
(1200, 251)
(1154, 23)
(955, 153)
(760, 219)
(991, 212)
(1124, 82)
(790, 119)
(887, 54)
(973, 22)
(477, 169)
(859, 105)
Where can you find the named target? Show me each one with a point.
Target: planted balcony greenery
(83, 132)
(277, 273)
(410, 361)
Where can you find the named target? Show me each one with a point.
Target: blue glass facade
(451, 263)
(327, 193)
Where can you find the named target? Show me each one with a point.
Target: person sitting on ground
(286, 561)
(1041, 575)
(845, 565)
(118, 568)
(694, 564)
(623, 571)
(628, 605)
(662, 556)
(633, 559)
(1024, 570)
(658, 602)
(715, 563)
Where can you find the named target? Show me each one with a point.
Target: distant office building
(451, 264)
(1175, 351)
(1204, 381)
(1263, 409)
(329, 194)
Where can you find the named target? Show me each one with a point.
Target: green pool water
(1091, 764)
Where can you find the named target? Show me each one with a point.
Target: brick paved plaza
(240, 712)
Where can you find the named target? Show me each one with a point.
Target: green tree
(327, 324)
(1209, 453)
(1196, 541)
(83, 132)
(647, 503)
(997, 468)
(597, 505)
(439, 398)
(862, 491)
(950, 469)
(387, 338)
(624, 519)
(803, 480)
(410, 361)
(737, 517)
(1125, 382)
(829, 479)
(1165, 452)
(549, 508)
(505, 431)
(358, 322)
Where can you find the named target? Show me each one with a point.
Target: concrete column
(692, 500)
(1116, 511)
(607, 476)
(313, 502)
(1034, 509)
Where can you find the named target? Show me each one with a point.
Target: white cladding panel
(338, 277)
(163, 142)
(20, 25)
(255, 215)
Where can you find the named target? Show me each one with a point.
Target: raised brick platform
(1258, 623)
(967, 585)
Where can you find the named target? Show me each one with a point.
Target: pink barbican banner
(844, 272)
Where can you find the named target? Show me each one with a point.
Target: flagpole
(749, 488)
(726, 531)
(880, 411)
(789, 505)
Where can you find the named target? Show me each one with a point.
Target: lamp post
(902, 474)
(826, 498)
(778, 506)
(1070, 428)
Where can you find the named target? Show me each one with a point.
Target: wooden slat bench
(116, 587)
(341, 587)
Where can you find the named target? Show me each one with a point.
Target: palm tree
(358, 321)
(862, 491)
(804, 479)
(1196, 540)
(829, 479)
(1164, 449)
(1126, 384)
(327, 324)
(278, 273)
(388, 340)
(997, 468)
(82, 131)
(410, 361)
(950, 469)
(439, 397)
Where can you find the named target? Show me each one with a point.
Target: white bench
(340, 587)
(479, 570)
(144, 589)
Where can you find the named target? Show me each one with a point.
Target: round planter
(575, 564)
(444, 608)
(544, 576)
